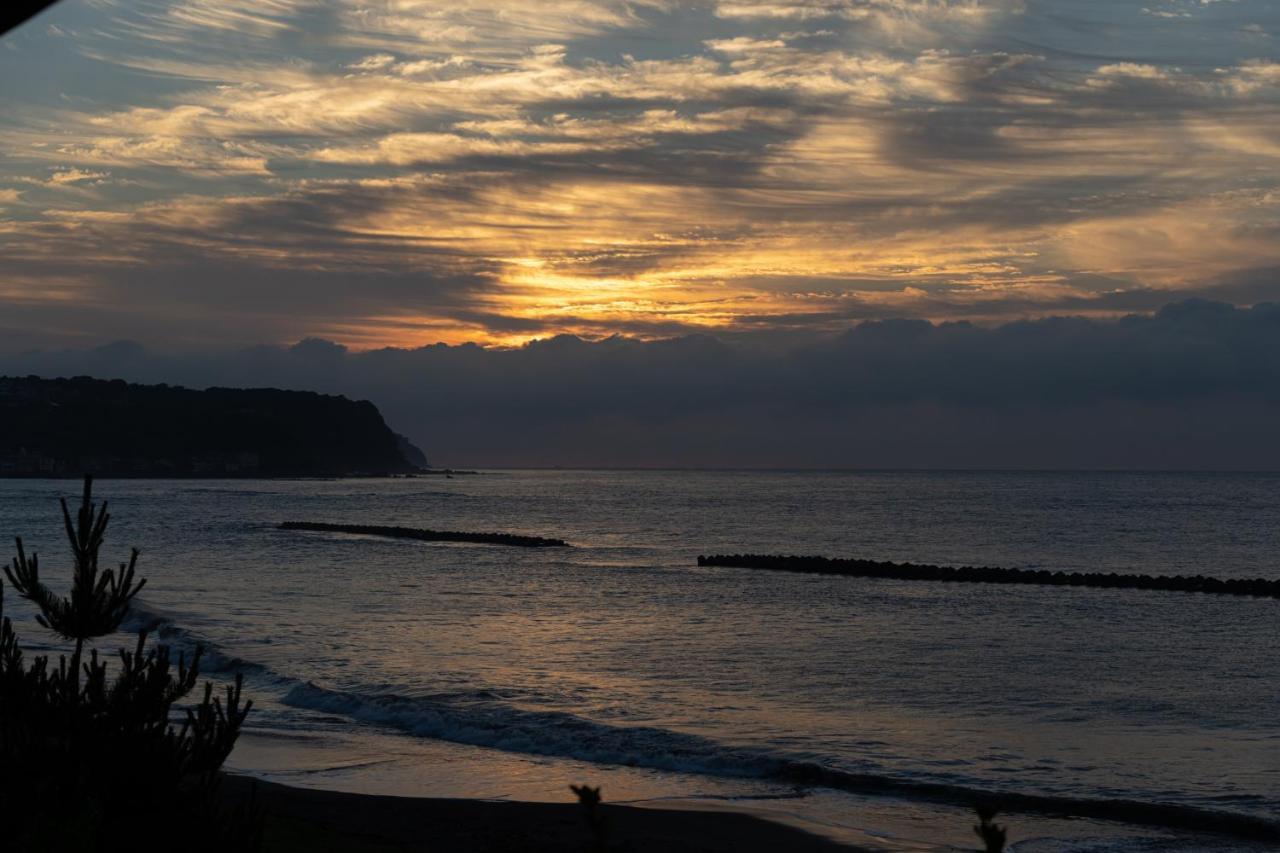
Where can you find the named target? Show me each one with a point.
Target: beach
(315, 821)
(316, 788)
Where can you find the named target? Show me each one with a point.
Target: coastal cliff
(53, 427)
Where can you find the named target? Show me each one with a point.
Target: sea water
(476, 670)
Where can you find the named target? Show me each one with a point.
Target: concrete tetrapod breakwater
(987, 574)
(511, 539)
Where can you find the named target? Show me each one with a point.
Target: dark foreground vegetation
(92, 760)
(428, 535)
(55, 427)
(987, 574)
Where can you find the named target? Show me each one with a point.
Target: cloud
(1254, 75)
(1193, 385)
(809, 10)
(375, 62)
(75, 176)
(405, 26)
(647, 167)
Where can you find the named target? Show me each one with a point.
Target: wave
(552, 733)
(214, 660)
(482, 719)
(564, 735)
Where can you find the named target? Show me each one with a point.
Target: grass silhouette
(993, 835)
(589, 798)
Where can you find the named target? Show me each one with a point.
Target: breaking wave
(563, 735)
(481, 719)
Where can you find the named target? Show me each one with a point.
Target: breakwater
(511, 539)
(1259, 587)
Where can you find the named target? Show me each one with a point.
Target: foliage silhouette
(97, 764)
(589, 798)
(993, 835)
(58, 426)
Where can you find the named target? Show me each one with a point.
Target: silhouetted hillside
(68, 426)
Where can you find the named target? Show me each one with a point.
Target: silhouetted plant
(993, 835)
(589, 798)
(90, 763)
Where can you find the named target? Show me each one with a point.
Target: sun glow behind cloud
(400, 173)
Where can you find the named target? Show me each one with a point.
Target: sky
(677, 194)
(406, 172)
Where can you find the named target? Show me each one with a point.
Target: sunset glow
(406, 172)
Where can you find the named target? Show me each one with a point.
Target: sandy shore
(318, 821)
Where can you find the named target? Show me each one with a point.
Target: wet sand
(316, 821)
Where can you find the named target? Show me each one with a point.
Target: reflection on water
(621, 651)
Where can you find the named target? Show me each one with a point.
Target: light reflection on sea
(525, 668)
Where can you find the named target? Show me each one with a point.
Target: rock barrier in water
(988, 574)
(511, 539)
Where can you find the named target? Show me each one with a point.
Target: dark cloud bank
(1196, 385)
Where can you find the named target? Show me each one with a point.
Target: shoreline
(313, 819)
(433, 774)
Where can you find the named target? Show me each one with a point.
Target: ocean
(872, 707)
